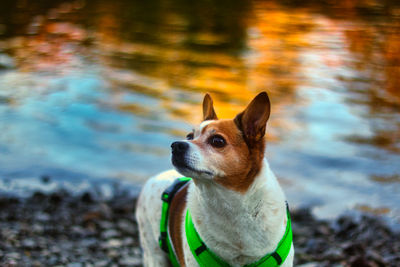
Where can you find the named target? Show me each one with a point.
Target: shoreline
(65, 229)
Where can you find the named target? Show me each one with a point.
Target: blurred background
(93, 92)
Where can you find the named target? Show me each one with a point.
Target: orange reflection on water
(167, 53)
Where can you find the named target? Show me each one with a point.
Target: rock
(78, 230)
(353, 249)
(105, 210)
(28, 243)
(130, 261)
(106, 224)
(112, 253)
(126, 227)
(137, 251)
(333, 254)
(10, 262)
(110, 233)
(102, 263)
(128, 241)
(42, 217)
(87, 197)
(13, 255)
(89, 243)
(113, 243)
(37, 228)
(361, 261)
(309, 264)
(57, 197)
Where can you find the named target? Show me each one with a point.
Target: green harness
(203, 255)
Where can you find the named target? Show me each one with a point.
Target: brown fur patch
(176, 216)
(237, 160)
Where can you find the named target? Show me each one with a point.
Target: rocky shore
(61, 229)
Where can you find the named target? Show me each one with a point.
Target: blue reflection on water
(70, 126)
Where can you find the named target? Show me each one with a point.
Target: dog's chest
(238, 229)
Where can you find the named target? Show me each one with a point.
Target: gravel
(60, 229)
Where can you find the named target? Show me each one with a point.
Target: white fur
(204, 124)
(240, 228)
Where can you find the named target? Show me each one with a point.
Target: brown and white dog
(237, 205)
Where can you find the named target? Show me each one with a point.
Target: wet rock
(113, 243)
(333, 254)
(37, 228)
(309, 264)
(89, 243)
(113, 254)
(87, 198)
(102, 263)
(130, 261)
(106, 224)
(361, 261)
(126, 227)
(352, 249)
(109, 234)
(56, 197)
(42, 217)
(129, 241)
(28, 243)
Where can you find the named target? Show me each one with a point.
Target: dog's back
(148, 215)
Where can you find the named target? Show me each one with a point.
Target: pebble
(130, 261)
(102, 263)
(28, 243)
(309, 264)
(42, 217)
(110, 233)
(113, 243)
(127, 227)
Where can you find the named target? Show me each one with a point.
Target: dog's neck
(239, 227)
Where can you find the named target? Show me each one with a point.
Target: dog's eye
(217, 141)
(190, 136)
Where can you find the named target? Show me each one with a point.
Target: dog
(236, 203)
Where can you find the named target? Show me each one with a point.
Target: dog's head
(229, 152)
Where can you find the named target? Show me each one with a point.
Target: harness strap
(164, 238)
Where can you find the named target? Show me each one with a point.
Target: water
(94, 91)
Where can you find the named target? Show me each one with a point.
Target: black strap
(277, 258)
(200, 249)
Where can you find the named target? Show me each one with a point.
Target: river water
(93, 91)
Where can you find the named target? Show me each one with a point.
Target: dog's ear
(208, 109)
(253, 120)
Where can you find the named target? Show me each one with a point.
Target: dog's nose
(179, 147)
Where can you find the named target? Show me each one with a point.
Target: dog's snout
(179, 147)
